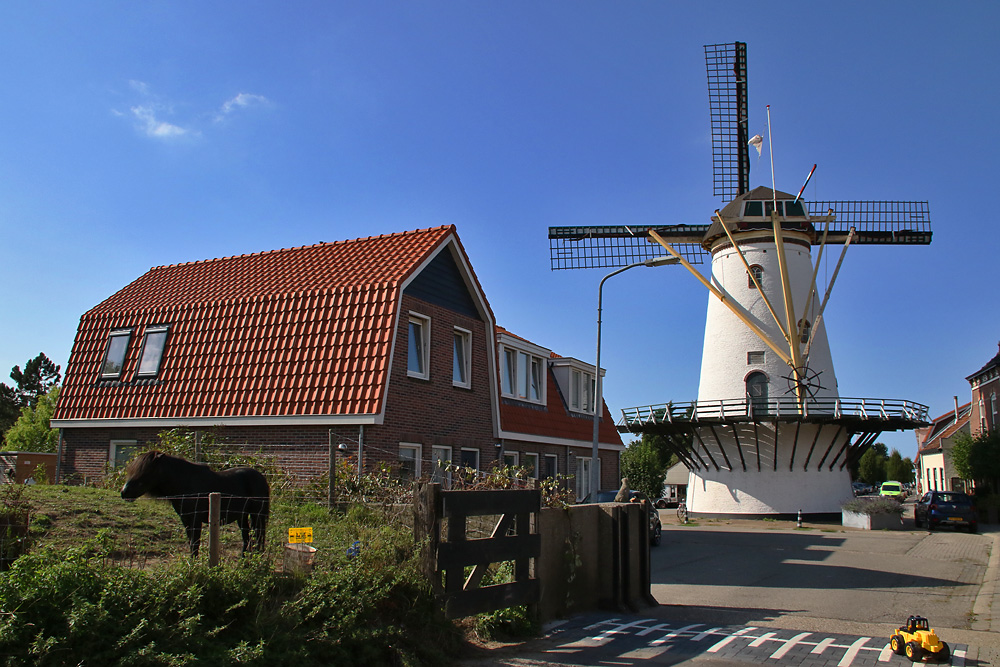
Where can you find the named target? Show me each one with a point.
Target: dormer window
(153, 342)
(114, 356)
(523, 375)
(581, 391)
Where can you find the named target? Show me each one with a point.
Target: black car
(945, 508)
(655, 527)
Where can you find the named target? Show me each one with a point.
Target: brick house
(985, 384)
(386, 342)
(933, 464)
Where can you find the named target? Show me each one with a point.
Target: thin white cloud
(154, 127)
(241, 101)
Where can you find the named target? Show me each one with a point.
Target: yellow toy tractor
(917, 639)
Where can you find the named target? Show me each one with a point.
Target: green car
(892, 490)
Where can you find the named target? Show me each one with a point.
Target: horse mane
(139, 465)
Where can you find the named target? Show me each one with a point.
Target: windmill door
(757, 393)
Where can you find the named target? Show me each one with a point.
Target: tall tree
(38, 377)
(871, 468)
(644, 466)
(897, 469)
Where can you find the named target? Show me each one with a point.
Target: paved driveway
(854, 577)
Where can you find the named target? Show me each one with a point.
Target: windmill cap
(733, 215)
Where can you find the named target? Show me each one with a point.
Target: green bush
(71, 608)
(870, 506)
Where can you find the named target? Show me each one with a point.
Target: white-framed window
(120, 451)
(461, 358)
(522, 375)
(531, 463)
(551, 465)
(114, 355)
(583, 468)
(409, 460)
(153, 342)
(470, 458)
(756, 271)
(440, 459)
(510, 458)
(418, 347)
(581, 391)
(993, 408)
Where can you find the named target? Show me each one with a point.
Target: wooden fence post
(214, 507)
(427, 528)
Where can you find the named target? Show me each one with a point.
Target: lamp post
(598, 388)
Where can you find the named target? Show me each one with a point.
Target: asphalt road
(752, 592)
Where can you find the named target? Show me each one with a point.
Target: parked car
(655, 527)
(860, 488)
(945, 508)
(892, 490)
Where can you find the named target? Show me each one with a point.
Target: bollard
(799, 522)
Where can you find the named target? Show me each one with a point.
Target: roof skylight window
(152, 351)
(114, 356)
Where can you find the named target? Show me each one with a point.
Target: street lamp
(598, 389)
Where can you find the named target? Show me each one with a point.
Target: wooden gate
(445, 561)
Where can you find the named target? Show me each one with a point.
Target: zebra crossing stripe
(760, 640)
(852, 651)
(670, 635)
(885, 655)
(716, 647)
(789, 644)
(823, 645)
(958, 658)
(707, 633)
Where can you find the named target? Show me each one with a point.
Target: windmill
(769, 433)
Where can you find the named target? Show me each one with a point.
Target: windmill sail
(727, 99)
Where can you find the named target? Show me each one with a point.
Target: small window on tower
(805, 326)
(755, 358)
(756, 272)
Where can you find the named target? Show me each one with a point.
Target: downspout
(361, 441)
(59, 451)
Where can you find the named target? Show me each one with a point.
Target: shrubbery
(870, 506)
(71, 607)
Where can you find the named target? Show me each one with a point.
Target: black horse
(245, 494)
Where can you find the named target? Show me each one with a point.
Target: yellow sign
(299, 535)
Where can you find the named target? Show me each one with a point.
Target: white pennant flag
(757, 142)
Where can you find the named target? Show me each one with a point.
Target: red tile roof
(554, 420)
(253, 335)
(930, 437)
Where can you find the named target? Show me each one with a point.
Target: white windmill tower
(769, 432)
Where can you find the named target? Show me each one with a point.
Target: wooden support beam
(729, 466)
(828, 449)
(694, 433)
(726, 300)
(819, 429)
(795, 445)
(756, 443)
(739, 448)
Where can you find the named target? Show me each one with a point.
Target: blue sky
(139, 134)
